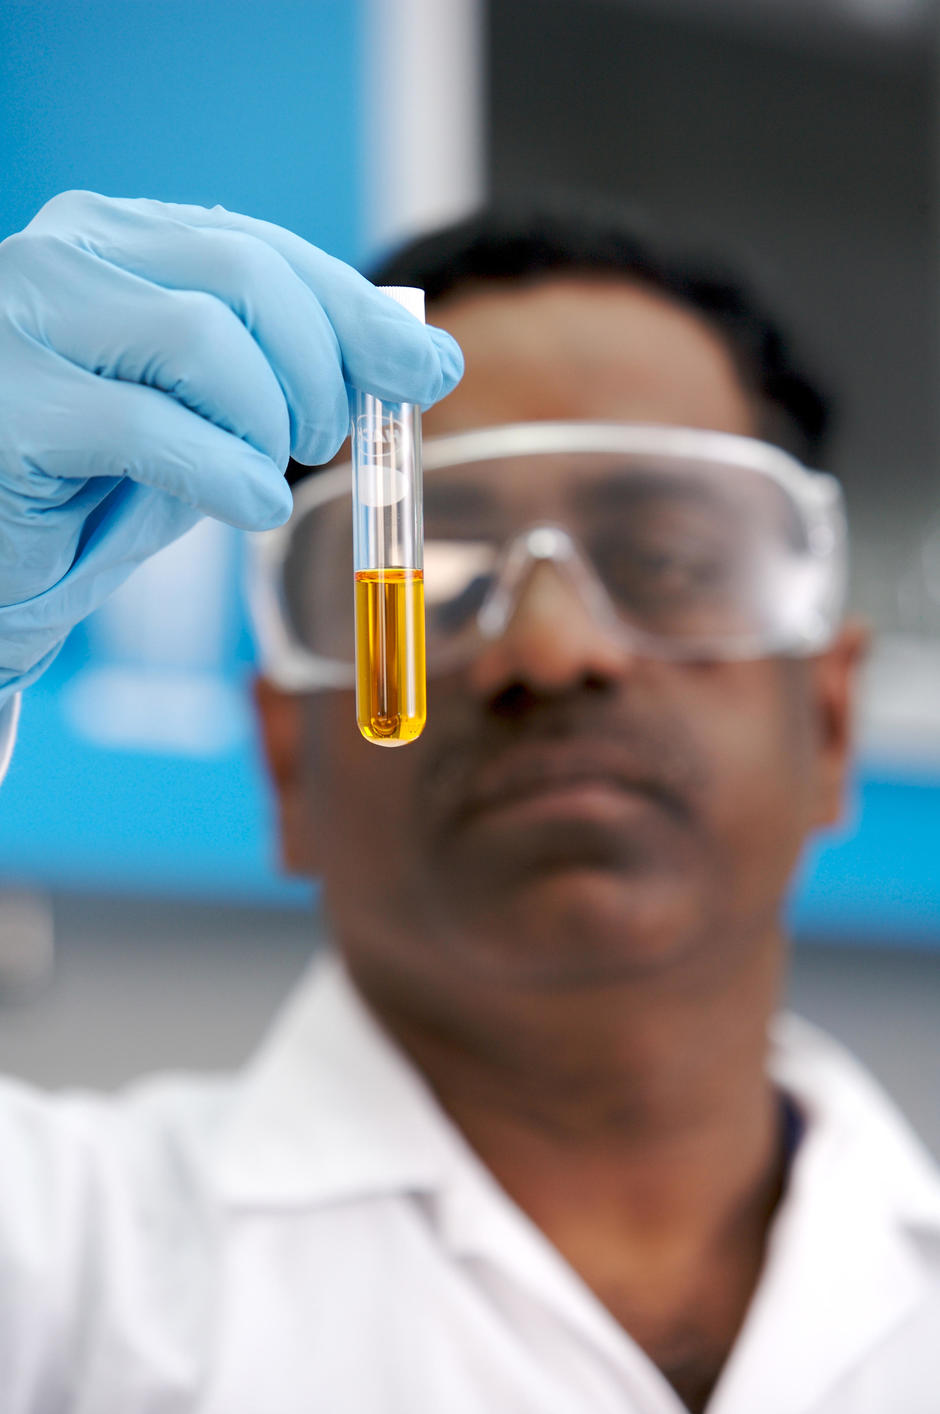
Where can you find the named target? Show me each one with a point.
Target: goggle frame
(816, 495)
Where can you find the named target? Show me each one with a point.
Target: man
(523, 1147)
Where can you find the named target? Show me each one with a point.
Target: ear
(281, 720)
(835, 681)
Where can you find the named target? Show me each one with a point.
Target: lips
(576, 773)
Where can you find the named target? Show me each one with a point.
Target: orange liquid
(391, 692)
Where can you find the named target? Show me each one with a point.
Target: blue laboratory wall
(137, 766)
(249, 103)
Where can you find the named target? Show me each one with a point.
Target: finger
(384, 350)
(93, 427)
(135, 522)
(184, 342)
(283, 316)
(28, 562)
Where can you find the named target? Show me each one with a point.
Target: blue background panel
(251, 105)
(878, 879)
(137, 767)
(87, 816)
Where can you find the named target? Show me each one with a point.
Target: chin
(577, 927)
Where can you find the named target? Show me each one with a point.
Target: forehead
(581, 347)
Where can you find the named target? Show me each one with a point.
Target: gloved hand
(159, 363)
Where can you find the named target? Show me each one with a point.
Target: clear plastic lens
(685, 555)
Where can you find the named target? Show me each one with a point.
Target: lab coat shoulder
(108, 1242)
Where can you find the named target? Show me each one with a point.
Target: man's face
(573, 813)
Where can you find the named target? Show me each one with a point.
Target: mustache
(502, 755)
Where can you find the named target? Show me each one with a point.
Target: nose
(552, 641)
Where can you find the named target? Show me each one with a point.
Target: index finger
(384, 350)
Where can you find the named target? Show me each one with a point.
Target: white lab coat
(315, 1235)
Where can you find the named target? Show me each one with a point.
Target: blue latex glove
(159, 363)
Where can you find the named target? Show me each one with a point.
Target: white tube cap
(408, 296)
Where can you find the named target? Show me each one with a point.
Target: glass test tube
(388, 561)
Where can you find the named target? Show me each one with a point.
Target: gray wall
(814, 159)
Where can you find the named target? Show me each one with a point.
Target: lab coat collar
(331, 1111)
(850, 1119)
(330, 1108)
(848, 1256)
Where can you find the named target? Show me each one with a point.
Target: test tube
(391, 692)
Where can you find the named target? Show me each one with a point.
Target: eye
(451, 615)
(638, 573)
(457, 578)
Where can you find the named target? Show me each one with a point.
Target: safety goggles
(683, 544)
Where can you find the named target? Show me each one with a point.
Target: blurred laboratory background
(143, 921)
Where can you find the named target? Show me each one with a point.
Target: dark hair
(525, 246)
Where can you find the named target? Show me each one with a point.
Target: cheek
(760, 740)
(358, 799)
